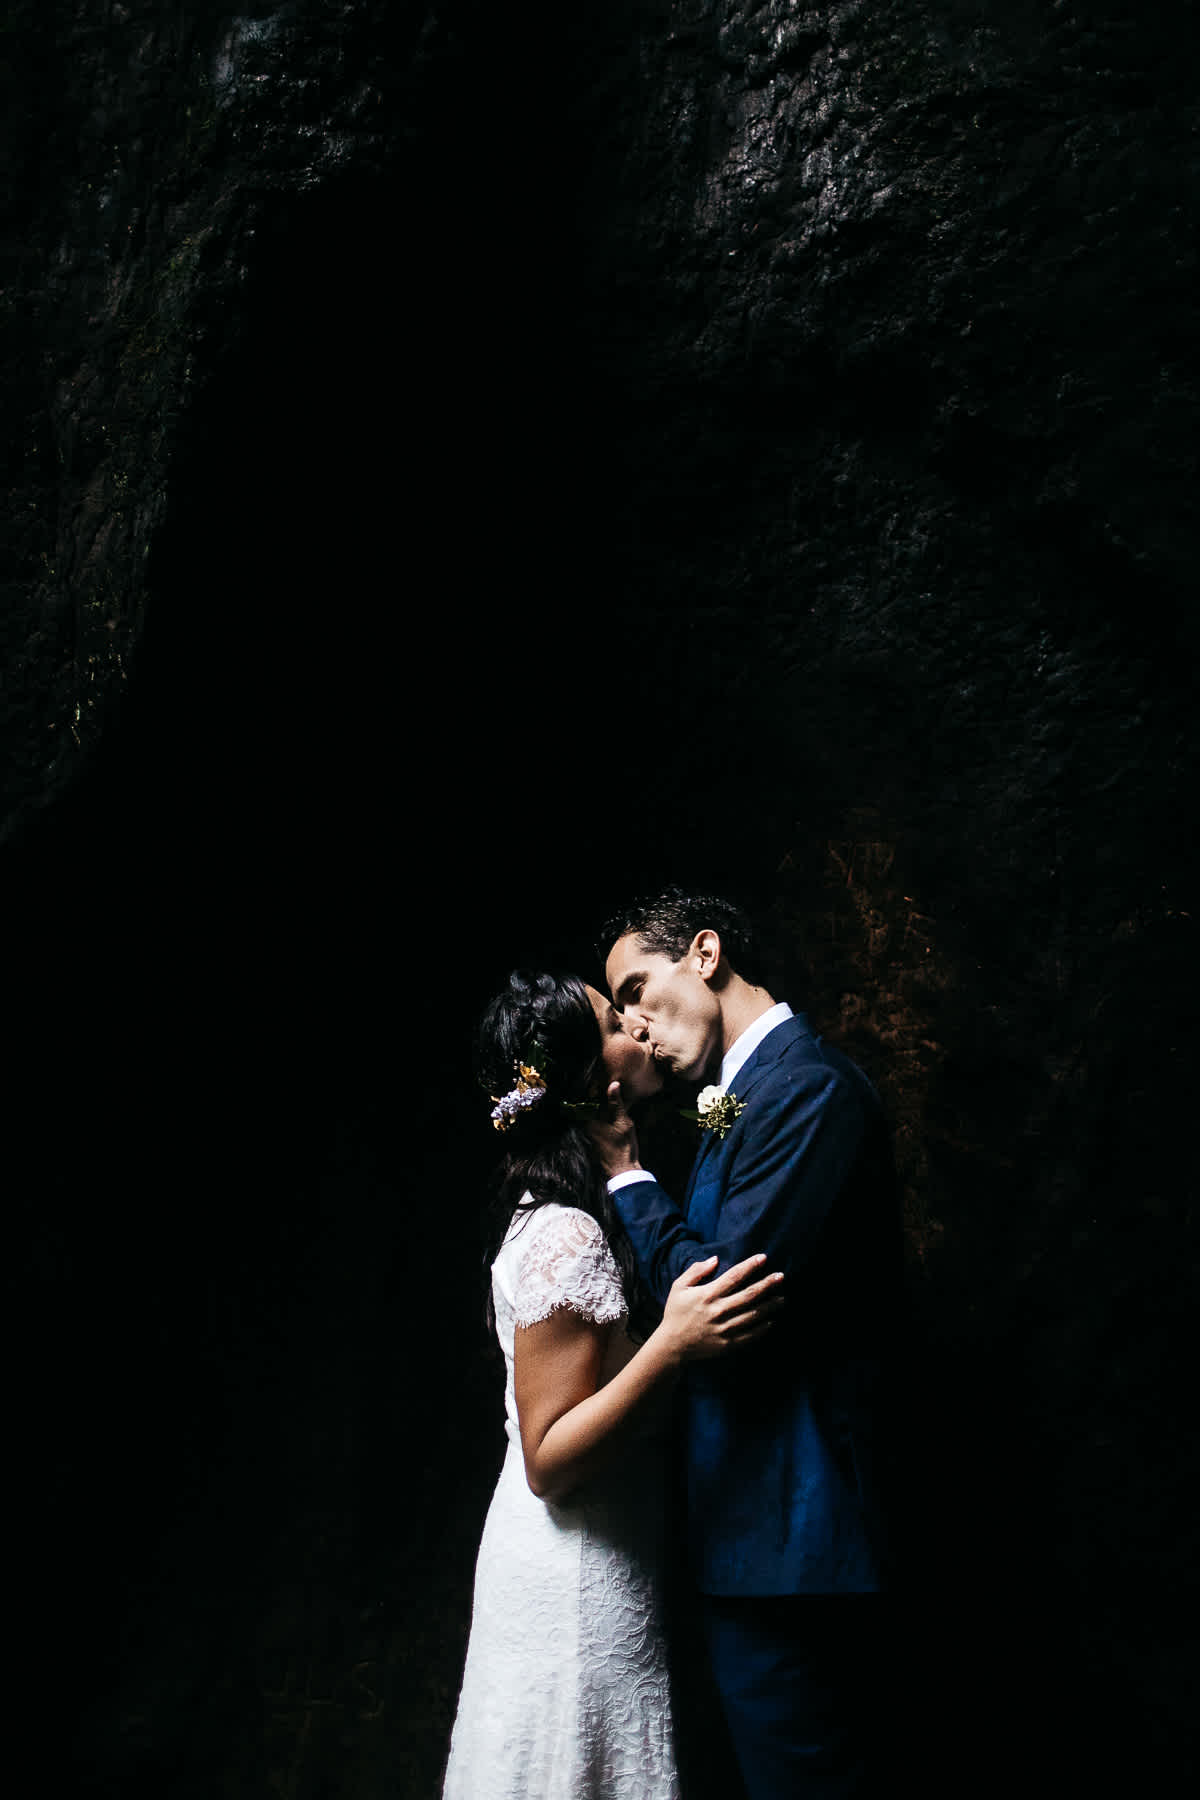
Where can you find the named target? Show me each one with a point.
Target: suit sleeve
(788, 1157)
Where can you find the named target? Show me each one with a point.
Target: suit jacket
(781, 1440)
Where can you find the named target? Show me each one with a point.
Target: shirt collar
(743, 1048)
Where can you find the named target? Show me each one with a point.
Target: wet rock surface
(458, 471)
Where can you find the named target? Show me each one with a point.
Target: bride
(565, 1692)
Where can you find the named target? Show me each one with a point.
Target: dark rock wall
(459, 467)
(144, 142)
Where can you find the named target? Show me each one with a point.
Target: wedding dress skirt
(565, 1692)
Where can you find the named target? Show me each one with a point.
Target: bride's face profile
(625, 1058)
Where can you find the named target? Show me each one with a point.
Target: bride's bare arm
(570, 1425)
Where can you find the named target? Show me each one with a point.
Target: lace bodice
(557, 1256)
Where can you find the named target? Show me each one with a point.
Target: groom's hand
(615, 1135)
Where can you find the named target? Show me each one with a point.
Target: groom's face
(670, 1004)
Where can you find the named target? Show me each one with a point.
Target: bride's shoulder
(569, 1226)
(559, 1256)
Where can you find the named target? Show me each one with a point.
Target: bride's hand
(614, 1134)
(705, 1318)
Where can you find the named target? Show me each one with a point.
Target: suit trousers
(801, 1681)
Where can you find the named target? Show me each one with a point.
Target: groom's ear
(705, 954)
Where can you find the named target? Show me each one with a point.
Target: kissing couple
(617, 1306)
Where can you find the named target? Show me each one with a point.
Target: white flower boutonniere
(716, 1109)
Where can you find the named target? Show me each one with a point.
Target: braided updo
(553, 1012)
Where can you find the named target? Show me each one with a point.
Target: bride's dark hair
(546, 1152)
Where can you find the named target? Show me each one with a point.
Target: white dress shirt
(743, 1048)
(738, 1053)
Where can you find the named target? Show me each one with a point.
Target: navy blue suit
(780, 1440)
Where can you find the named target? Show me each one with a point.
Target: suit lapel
(751, 1071)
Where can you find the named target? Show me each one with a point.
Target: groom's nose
(635, 1025)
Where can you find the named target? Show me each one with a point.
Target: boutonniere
(716, 1109)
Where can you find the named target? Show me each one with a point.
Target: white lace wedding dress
(564, 1694)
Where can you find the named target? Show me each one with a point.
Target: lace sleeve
(565, 1261)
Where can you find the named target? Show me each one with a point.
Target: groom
(780, 1443)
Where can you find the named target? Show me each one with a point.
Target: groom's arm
(794, 1147)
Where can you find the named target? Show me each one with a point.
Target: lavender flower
(527, 1093)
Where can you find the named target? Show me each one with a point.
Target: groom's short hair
(668, 920)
